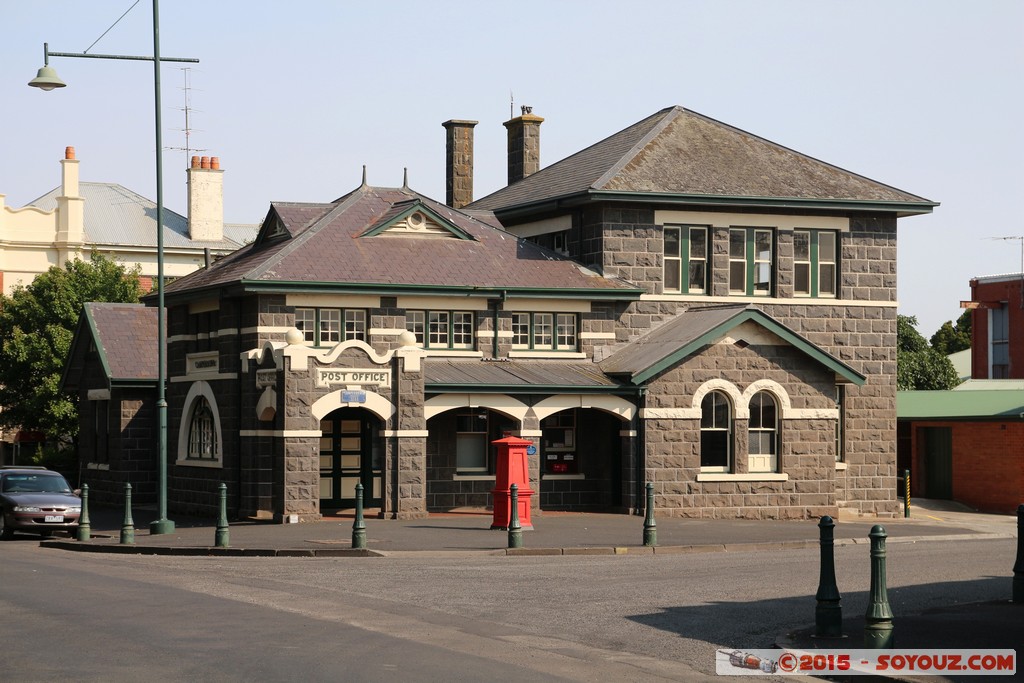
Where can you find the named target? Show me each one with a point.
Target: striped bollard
(84, 532)
(128, 526)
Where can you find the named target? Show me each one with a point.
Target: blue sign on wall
(531, 450)
(353, 396)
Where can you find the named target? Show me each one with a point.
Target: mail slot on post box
(512, 469)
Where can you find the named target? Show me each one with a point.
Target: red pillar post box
(512, 469)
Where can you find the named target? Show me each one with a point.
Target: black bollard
(1018, 566)
(359, 526)
(650, 528)
(515, 532)
(128, 527)
(828, 614)
(878, 619)
(84, 529)
(220, 536)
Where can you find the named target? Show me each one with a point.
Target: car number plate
(54, 518)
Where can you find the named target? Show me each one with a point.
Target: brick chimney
(523, 145)
(205, 200)
(458, 168)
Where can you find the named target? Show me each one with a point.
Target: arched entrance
(351, 452)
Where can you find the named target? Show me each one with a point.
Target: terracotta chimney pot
(69, 152)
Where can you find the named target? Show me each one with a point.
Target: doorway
(938, 462)
(350, 453)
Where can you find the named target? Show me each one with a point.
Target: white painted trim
(528, 433)
(750, 220)
(452, 353)
(501, 403)
(617, 406)
(301, 354)
(375, 403)
(542, 227)
(809, 301)
(174, 339)
(561, 355)
(670, 414)
(206, 377)
(593, 335)
(101, 466)
(489, 334)
(332, 300)
(522, 304)
(199, 388)
(263, 330)
(473, 477)
(209, 464)
(750, 476)
(841, 466)
(386, 331)
(406, 433)
(812, 414)
(563, 477)
(442, 303)
(741, 411)
(281, 433)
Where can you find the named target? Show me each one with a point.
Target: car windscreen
(35, 483)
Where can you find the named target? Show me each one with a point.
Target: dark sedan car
(36, 500)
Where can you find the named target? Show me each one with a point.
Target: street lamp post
(47, 79)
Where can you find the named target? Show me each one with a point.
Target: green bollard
(906, 493)
(878, 619)
(650, 528)
(515, 532)
(1018, 566)
(828, 613)
(128, 527)
(221, 535)
(84, 529)
(359, 525)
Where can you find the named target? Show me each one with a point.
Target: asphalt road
(474, 617)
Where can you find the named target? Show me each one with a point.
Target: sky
(294, 98)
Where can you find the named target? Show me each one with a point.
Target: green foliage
(951, 338)
(60, 459)
(37, 323)
(918, 366)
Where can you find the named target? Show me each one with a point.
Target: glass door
(349, 455)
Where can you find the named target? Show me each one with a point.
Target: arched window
(764, 433)
(715, 433)
(202, 437)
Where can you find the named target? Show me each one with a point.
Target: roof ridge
(670, 114)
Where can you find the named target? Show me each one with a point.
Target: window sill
(749, 476)
(841, 467)
(563, 477)
(473, 477)
(209, 464)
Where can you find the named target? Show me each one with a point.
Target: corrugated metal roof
(665, 340)
(681, 152)
(114, 215)
(479, 373)
(982, 403)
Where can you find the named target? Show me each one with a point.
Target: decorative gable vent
(415, 219)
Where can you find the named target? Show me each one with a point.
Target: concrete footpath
(973, 626)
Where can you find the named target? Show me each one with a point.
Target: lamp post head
(47, 79)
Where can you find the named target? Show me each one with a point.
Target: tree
(37, 323)
(950, 338)
(918, 366)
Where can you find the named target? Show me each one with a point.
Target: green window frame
(545, 331)
(685, 259)
(442, 329)
(751, 261)
(323, 326)
(815, 263)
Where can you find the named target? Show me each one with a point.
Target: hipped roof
(680, 155)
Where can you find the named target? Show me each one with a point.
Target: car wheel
(5, 531)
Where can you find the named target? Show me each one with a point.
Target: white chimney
(70, 204)
(206, 200)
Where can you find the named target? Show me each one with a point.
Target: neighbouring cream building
(78, 218)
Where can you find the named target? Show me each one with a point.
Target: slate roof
(476, 374)
(691, 331)
(126, 342)
(683, 153)
(116, 216)
(324, 246)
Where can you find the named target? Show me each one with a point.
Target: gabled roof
(688, 333)
(125, 337)
(346, 245)
(681, 156)
(963, 405)
(116, 216)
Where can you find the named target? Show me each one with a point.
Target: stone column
(523, 145)
(459, 162)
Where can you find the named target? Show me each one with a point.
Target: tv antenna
(188, 130)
